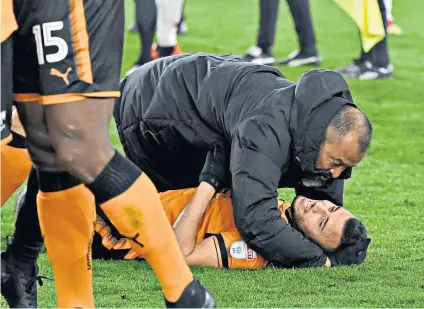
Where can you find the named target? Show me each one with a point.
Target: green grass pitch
(386, 190)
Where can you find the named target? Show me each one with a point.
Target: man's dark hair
(353, 246)
(350, 120)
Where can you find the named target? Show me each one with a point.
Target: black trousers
(379, 54)
(301, 14)
(145, 12)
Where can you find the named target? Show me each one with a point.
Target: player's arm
(257, 156)
(205, 253)
(212, 178)
(186, 227)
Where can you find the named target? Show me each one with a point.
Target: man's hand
(216, 172)
(353, 254)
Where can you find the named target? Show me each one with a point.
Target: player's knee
(40, 148)
(81, 157)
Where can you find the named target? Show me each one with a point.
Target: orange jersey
(8, 20)
(217, 221)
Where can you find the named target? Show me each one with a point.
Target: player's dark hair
(354, 245)
(350, 120)
(353, 232)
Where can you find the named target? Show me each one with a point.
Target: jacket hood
(317, 98)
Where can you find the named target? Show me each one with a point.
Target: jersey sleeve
(235, 254)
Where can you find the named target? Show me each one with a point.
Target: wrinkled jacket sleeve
(332, 191)
(257, 156)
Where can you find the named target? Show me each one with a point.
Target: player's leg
(66, 214)
(19, 269)
(168, 17)
(15, 162)
(125, 194)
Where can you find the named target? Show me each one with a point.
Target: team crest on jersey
(240, 251)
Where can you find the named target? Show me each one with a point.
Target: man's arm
(257, 157)
(186, 227)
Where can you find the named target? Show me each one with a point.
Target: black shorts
(67, 50)
(6, 90)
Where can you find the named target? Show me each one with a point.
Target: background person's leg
(302, 19)
(267, 24)
(262, 52)
(379, 54)
(307, 53)
(374, 64)
(377, 64)
(168, 17)
(145, 13)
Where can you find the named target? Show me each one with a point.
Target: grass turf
(385, 191)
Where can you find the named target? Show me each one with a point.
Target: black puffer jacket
(173, 110)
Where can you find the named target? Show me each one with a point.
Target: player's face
(337, 156)
(322, 221)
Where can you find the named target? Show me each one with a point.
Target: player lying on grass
(208, 236)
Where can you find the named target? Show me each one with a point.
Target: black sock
(27, 240)
(18, 141)
(165, 51)
(118, 175)
(56, 181)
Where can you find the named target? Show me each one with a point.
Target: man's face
(322, 221)
(337, 156)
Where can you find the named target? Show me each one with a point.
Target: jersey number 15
(50, 40)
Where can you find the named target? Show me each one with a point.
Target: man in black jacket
(179, 111)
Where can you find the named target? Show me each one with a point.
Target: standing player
(67, 59)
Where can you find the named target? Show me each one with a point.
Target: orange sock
(15, 167)
(138, 215)
(67, 223)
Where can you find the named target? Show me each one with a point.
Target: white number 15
(50, 40)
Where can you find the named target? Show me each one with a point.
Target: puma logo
(64, 76)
